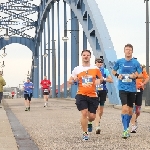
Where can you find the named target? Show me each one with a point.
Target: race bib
(45, 90)
(126, 78)
(99, 87)
(87, 80)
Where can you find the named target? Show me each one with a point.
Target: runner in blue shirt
(127, 70)
(101, 92)
(28, 89)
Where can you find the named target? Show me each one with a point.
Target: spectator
(2, 83)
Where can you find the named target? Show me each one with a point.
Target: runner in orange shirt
(140, 83)
(86, 99)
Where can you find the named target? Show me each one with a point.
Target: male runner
(102, 93)
(140, 83)
(45, 85)
(86, 98)
(12, 94)
(128, 71)
(28, 89)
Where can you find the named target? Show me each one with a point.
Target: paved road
(57, 127)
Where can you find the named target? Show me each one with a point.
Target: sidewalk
(7, 139)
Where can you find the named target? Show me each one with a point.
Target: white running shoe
(133, 129)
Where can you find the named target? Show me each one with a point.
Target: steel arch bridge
(85, 12)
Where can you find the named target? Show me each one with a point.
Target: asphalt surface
(57, 127)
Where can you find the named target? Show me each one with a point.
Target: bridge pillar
(74, 48)
(38, 66)
(41, 47)
(53, 56)
(45, 66)
(65, 52)
(84, 41)
(48, 26)
(58, 50)
(35, 79)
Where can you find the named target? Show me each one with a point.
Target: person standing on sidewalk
(2, 83)
(140, 83)
(28, 90)
(86, 99)
(127, 70)
(101, 92)
(45, 85)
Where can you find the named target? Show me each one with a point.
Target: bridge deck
(57, 127)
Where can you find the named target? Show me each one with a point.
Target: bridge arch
(30, 43)
(95, 30)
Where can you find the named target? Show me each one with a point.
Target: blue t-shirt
(27, 87)
(126, 67)
(105, 74)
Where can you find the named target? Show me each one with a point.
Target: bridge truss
(84, 12)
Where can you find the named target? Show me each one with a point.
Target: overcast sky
(125, 21)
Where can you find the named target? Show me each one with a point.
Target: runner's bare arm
(146, 77)
(109, 79)
(100, 78)
(136, 75)
(114, 72)
(73, 77)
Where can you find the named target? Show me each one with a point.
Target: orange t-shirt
(139, 81)
(87, 76)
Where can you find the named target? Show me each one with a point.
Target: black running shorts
(127, 98)
(86, 102)
(102, 97)
(28, 96)
(138, 99)
(46, 92)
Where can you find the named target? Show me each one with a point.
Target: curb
(6, 134)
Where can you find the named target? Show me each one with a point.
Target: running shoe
(85, 137)
(98, 130)
(90, 127)
(125, 134)
(26, 109)
(133, 129)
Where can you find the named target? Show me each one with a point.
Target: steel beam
(65, 52)
(147, 100)
(53, 56)
(58, 50)
(48, 26)
(74, 48)
(44, 42)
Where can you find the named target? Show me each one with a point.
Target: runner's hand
(141, 84)
(98, 81)
(75, 79)
(120, 77)
(133, 76)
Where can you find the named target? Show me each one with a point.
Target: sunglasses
(99, 61)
